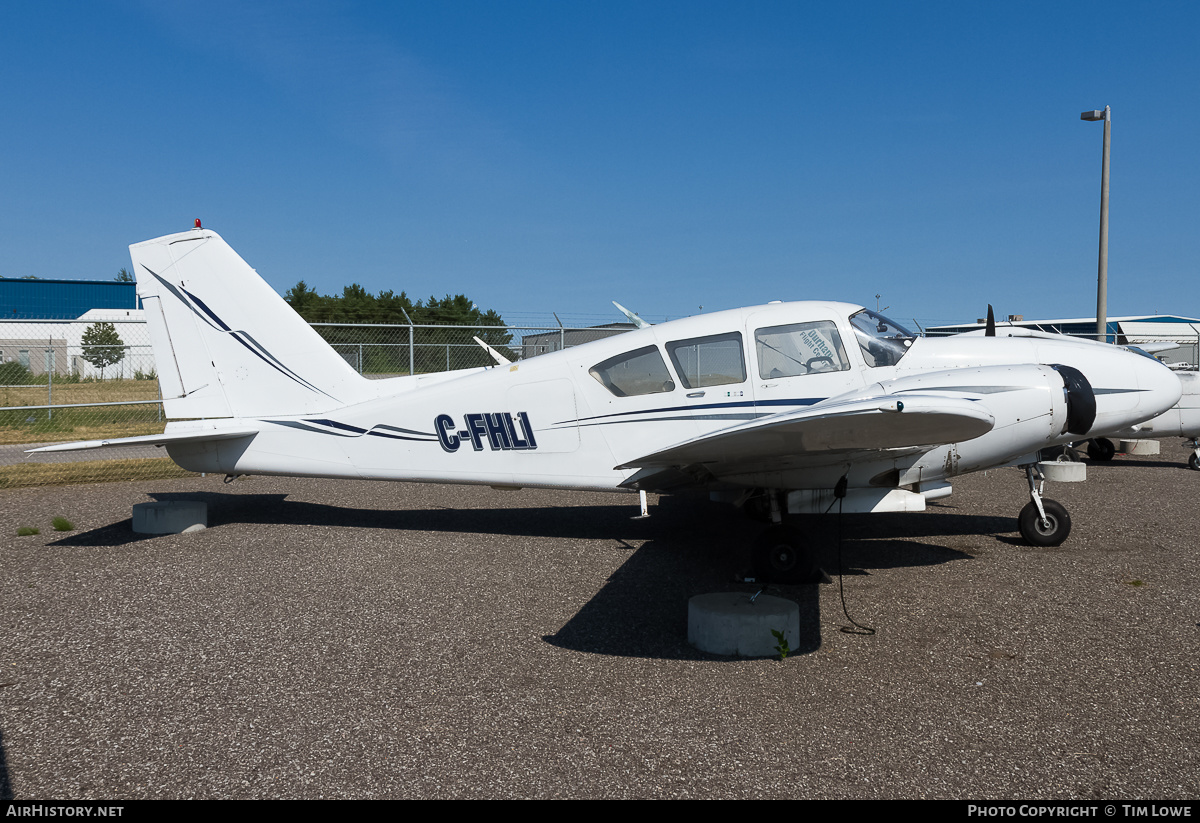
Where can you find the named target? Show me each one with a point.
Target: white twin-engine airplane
(789, 406)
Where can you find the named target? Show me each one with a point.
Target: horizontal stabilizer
(148, 440)
(864, 424)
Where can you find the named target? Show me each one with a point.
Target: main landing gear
(1194, 457)
(1042, 522)
(782, 553)
(1101, 448)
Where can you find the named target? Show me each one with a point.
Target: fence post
(50, 378)
(411, 359)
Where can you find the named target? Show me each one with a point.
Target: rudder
(225, 344)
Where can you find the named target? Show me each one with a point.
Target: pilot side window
(799, 348)
(642, 371)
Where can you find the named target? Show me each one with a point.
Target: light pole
(1102, 274)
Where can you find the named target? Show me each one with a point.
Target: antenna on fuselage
(633, 318)
(500, 359)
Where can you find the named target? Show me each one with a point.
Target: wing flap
(878, 424)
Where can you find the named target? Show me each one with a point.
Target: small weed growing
(62, 524)
(782, 646)
(27, 531)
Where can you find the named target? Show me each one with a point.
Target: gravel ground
(355, 639)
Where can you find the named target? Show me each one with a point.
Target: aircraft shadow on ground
(642, 609)
(1164, 462)
(693, 521)
(687, 547)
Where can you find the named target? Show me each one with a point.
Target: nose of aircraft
(1162, 387)
(1132, 388)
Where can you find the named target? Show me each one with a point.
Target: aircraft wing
(861, 425)
(149, 440)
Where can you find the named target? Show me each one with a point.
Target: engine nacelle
(1034, 407)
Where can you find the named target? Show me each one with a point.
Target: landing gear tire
(781, 555)
(1101, 448)
(758, 508)
(1194, 462)
(1051, 532)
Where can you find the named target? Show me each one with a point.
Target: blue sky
(554, 156)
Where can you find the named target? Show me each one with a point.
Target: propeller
(991, 323)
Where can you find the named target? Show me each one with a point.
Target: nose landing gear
(1042, 522)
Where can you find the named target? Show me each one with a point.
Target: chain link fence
(96, 379)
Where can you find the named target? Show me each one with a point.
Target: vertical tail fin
(225, 344)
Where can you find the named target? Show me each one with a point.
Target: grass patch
(27, 531)
(62, 524)
(54, 425)
(41, 426)
(99, 391)
(91, 471)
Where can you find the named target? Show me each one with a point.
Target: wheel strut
(1042, 522)
(1036, 483)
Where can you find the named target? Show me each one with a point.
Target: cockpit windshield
(883, 341)
(1143, 353)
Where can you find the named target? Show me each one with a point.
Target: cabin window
(798, 349)
(709, 361)
(642, 371)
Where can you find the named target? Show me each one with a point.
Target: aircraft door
(799, 364)
(715, 385)
(634, 401)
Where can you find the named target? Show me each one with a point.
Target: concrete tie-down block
(1140, 446)
(170, 517)
(729, 623)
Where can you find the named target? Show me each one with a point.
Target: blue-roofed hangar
(63, 299)
(42, 323)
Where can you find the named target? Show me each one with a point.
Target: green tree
(102, 346)
(457, 310)
(123, 276)
(384, 351)
(302, 299)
